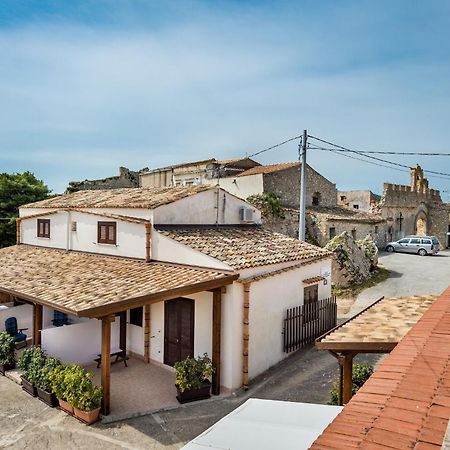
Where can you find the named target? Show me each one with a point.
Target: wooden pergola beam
(106, 363)
(147, 333)
(37, 323)
(216, 340)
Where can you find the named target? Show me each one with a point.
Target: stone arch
(421, 223)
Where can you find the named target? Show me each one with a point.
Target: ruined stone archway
(421, 225)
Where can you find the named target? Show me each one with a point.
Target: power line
(389, 152)
(274, 146)
(374, 157)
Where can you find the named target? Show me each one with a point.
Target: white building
(180, 267)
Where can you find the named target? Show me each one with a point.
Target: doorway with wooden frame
(178, 329)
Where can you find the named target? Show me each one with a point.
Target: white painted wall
(79, 343)
(166, 249)
(243, 187)
(201, 209)
(58, 231)
(23, 314)
(269, 299)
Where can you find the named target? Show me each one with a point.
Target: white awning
(267, 425)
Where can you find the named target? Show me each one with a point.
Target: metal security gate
(303, 324)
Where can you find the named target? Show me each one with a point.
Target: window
(376, 229)
(106, 233)
(316, 199)
(426, 241)
(136, 316)
(354, 234)
(415, 241)
(343, 198)
(43, 228)
(403, 241)
(332, 232)
(356, 206)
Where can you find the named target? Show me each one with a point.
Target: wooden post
(106, 363)
(147, 334)
(18, 220)
(123, 331)
(37, 324)
(148, 242)
(246, 334)
(347, 378)
(216, 339)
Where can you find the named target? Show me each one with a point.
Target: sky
(87, 86)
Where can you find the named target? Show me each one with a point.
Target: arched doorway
(421, 228)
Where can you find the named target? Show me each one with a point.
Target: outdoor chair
(59, 319)
(12, 329)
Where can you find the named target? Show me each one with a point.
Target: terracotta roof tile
(270, 168)
(414, 409)
(79, 282)
(148, 198)
(243, 247)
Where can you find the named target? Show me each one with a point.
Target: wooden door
(178, 330)
(311, 296)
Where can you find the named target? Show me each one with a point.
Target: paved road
(410, 275)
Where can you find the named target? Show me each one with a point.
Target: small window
(415, 241)
(136, 316)
(316, 199)
(426, 241)
(106, 233)
(332, 232)
(356, 206)
(403, 241)
(343, 198)
(43, 228)
(376, 229)
(354, 234)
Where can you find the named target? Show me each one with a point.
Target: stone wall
(286, 183)
(126, 179)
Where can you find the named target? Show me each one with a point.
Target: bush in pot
(192, 378)
(59, 382)
(43, 383)
(30, 363)
(7, 355)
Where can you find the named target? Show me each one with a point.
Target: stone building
(194, 173)
(414, 209)
(284, 180)
(126, 179)
(360, 200)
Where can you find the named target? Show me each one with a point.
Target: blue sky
(87, 86)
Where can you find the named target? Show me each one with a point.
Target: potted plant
(30, 363)
(87, 400)
(59, 383)
(43, 383)
(192, 378)
(7, 347)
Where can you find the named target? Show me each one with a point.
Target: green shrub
(192, 372)
(268, 203)
(31, 362)
(43, 379)
(360, 374)
(71, 382)
(7, 347)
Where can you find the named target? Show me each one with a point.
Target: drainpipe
(69, 231)
(148, 242)
(246, 335)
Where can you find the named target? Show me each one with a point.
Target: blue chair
(12, 329)
(59, 319)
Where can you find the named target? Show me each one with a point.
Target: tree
(268, 203)
(15, 190)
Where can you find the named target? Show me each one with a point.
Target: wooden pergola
(103, 287)
(376, 329)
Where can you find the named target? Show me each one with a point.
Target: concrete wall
(242, 187)
(286, 183)
(360, 200)
(201, 209)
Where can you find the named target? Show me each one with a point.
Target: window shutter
(103, 232)
(111, 233)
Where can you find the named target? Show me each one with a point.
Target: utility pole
(302, 211)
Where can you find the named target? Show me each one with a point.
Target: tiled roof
(345, 214)
(83, 283)
(313, 280)
(268, 169)
(406, 402)
(148, 198)
(243, 247)
(385, 322)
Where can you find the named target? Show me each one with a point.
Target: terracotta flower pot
(67, 407)
(88, 417)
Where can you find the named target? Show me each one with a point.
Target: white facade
(269, 297)
(243, 187)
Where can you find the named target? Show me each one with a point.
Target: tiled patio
(138, 388)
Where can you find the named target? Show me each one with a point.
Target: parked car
(421, 245)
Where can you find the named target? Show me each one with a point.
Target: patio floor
(138, 388)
